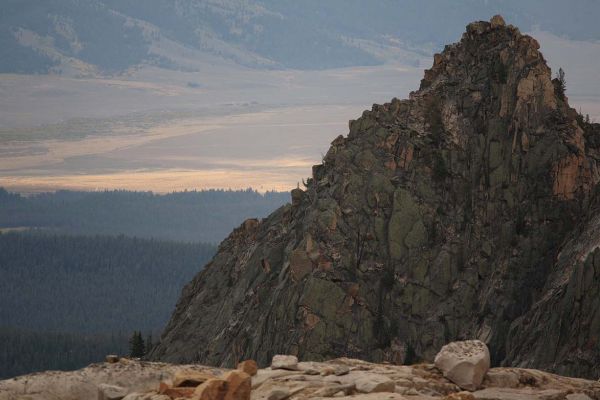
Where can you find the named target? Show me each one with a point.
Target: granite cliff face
(467, 211)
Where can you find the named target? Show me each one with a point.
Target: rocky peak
(441, 217)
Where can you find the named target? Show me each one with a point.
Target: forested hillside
(203, 216)
(67, 301)
(23, 352)
(93, 284)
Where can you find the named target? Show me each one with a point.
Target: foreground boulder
(111, 392)
(138, 380)
(284, 362)
(464, 363)
(469, 209)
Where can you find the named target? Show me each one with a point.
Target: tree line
(192, 216)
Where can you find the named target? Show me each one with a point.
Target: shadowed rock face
(442, 217)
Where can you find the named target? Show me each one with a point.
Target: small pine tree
(562, 83)
(136, 345)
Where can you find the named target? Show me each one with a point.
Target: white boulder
(285, 362)
(464, 363)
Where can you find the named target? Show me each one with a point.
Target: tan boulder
(464, 363)
(248, 366)
(212, 389)
(239, 385)
(372, 383)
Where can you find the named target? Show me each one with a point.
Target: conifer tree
(136, 345)
(562, 83)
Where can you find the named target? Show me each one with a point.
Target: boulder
(248, 366)
(111, 392)
(371, 383)
(285, 362)
(212, 389)
(341, 370)
(278, 394)
(239, 385)
(464, 363)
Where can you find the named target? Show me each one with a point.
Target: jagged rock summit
(467, 211)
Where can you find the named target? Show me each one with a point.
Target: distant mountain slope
(109, 36)
(93, 284)
(67, 301)
(204, 216)
(23, 352)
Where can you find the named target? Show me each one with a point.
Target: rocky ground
(455, 369)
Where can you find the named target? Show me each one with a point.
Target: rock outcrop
(312, 380)
(466, 211)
